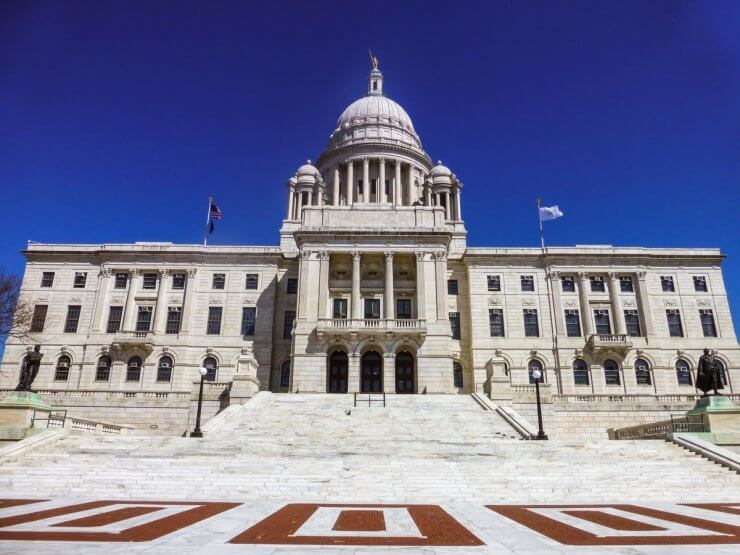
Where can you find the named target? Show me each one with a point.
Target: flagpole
(208, 221)
(542, 231)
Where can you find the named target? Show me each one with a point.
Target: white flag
(549, 213)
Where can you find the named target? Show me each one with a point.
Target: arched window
(580, 372)
(533, 365)
(285, 374)
(457, 374)
(611, 373)
(642, 372)
(61, 374)
(164, 369)
(133, 369)
(102, 372)
(722, 373)
(211, 365)
(683, 372)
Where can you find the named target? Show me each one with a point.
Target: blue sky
(119, 119)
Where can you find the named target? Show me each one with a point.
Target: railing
(609, 340)
(660, 430)
(134, 334)
(390, 324)
(629, 399)
(56, 396)
(370, 398)
(54, 418)
(59, 419)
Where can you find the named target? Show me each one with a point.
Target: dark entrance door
(372, 373)
(338, 372)
(404, 372)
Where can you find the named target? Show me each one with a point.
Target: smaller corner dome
(307, 169)
(440, 170)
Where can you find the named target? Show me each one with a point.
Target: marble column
(381, 180)
(397, 189)
(335, 190)
(388, 292)
(586, 318)
(188, 300)
(101, 300)
(428, 196)
(644, 302)
(160, 310)
(323, 283)
(299, 208)
(129, 312)
(350, 184)
(366, 180)
(458, 206)
(557, 306)
(420, 304)
(448, 211)
(412, 189)
(619, 323)
(290, 202)
(320, 190)
(440, 271)
(355, 300)
(310, 198)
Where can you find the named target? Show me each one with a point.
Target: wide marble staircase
(422, 448)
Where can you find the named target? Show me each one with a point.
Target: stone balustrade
(609, 340)
(397, 325)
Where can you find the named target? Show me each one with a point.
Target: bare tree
(16, 312)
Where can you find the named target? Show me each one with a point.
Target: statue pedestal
(245, 384)
(17, 408)
(719, 414)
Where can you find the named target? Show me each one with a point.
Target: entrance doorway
(372, 373)
(404, 372)
(338, 370)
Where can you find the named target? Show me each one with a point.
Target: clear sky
(117, 119)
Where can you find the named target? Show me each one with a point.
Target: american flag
(215, 212)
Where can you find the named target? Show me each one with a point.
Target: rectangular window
(288, 324)
(372, 309)
(527, 283)
(496, 322)
(144, 318)
(675, 329)
(121, 280)
(80, 280)
(452, 287)
(219, 281)
(601, 320)
(568, 284)
(572, 323)
(666, 283)
(597, 284)
(494, 283)
(455, 324)
(39, 318)
(403, 309)
(292, 286)
(47, 279)
(340, 309)
(114, 319)
(214, 320)
(632, 321)
(625, 284)
(531, 324)
(133, 370)
(251, 281)
(178, 281)
(150, 281)
(102, 372)
(174, 316)
(707, 323)
(61, 372)
(73, 318)
(249, 318)
(642, 373)
(164, 370)
(700, 284)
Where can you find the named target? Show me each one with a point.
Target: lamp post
(537, 374)
(196, 432)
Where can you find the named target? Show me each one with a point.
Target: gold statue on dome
(374, 60)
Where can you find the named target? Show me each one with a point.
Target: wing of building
(373, 289)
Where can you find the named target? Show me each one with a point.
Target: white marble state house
(373, 289)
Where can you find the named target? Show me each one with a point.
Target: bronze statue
(30, 369)
(707, 374)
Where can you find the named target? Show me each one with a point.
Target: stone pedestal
(17, 408)
(245, 384)
(718, 413)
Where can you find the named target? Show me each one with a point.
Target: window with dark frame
(340, 309)
(626, 285)
(666, 284)
(219, 281)
(597, 284)
(47, 279)
(174, 317)
(121, 280)
(632, 323)
(611, 373)
(642, 372)
(285, 374)
(572, 323)
(403, 309)
(457, 374)
(496, 322)
(292, 286)
(708, 326)
(102, 370)
(178, 281)
(251, 282)
(61, 372)
(533, 365)
(164, 369)
(39, 318)
(133, 369)
(531, 323)
(580, 372)
(73, 318)
(80, 280)
(211, 366)
(149, 281)
(527, 283)
(568, 284)
(675, 328)
(249, 319)
(214, 320)
(288, 324)
(601, 321)
(494, 283)
(683, 373)
(144, 318)
(452, 287)
(372, 309)
(387, 188)
(700, 284)
(455, 324)
(115, 314)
